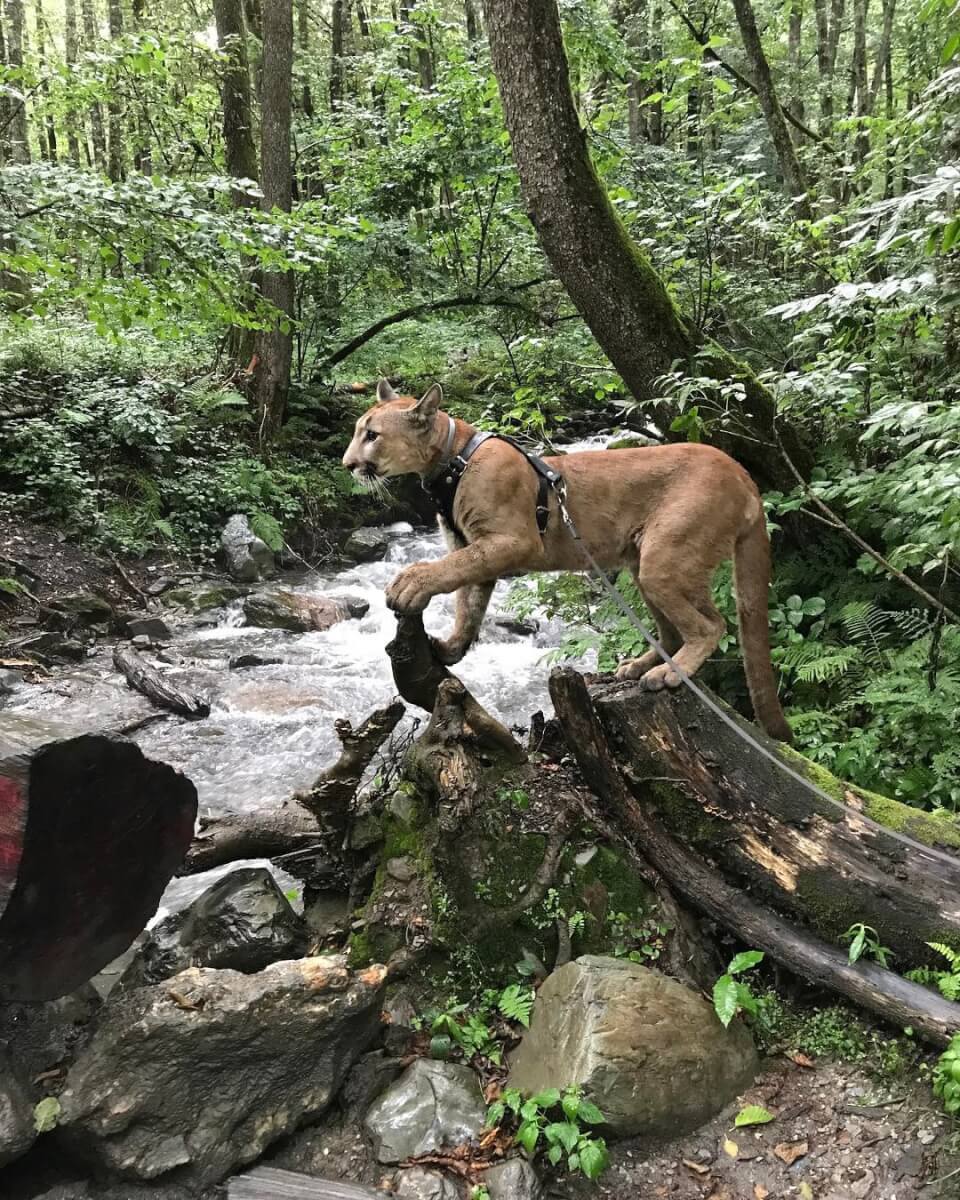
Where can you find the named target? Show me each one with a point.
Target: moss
(686, 818)
(206, 598)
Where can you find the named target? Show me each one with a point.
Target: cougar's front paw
(409, 593)
(447, 651)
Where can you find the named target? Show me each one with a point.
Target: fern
(268, 529)
(947, 981)
(830, 666)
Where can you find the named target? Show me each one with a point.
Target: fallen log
(269, 1183)
(418, 675)
(91, 832)
(596, 724)
(160, 691)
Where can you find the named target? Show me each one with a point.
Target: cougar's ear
(385, 392)
(427, 406)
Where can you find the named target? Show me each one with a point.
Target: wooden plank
(269, 1183)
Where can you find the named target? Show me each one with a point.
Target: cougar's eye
(371, 435)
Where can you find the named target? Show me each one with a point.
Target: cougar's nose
(349, 461)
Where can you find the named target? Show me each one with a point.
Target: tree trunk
(667, 771)
(828, 21)
(883, 52)
(49, 123)
(336, 54)
(656, 54)
(91, 43)
(115, 163)
(91, 832)
(858, 81)
(634, 18)
(72, 51)
(142, 150)
(239, 147)
(303, 38)
(150, 683)
(19, 138)
(4, 98)
(790, 168)
(610, 280)
(473, 22)
(275, 344)
(795, 58)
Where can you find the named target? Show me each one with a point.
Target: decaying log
(269, 1183)
(631, 810)
(91, 832)
(316, 818)
(418, 676)
(147, 680)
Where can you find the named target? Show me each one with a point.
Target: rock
(17, 1132)
(203, 1072)
(9, 681)
(142, 641)
(296, 613)
(433, 1104)
(248, 558)
(52, 644)
(517, 625)
(42, 1035)
(513, 1180)
(150, 627)
(366, 544)
(647, 1050)
(371, 1076)
(205, 598)
(86, 607)
(240, 662)
(356, 606)
(401, 869)
(242, 922)
(416, 1183)
(159, 585)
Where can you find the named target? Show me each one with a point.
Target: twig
(131, 586)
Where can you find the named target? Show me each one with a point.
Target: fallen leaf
(802, 1060)
(753, 1114)
(695, 1166)
(806, 1191)
(731, 1148)
(789, 1152)
(760, 1192)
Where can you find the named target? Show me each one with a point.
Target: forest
(597, 224)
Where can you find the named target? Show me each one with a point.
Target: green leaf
(547, 1098)
(594, 1158)
(753, 1114)
(571, 1103)
(495, 1113)
(725, 999)
(46, 1114)
(528, 1135)
(530, 1110)
(564, 1132)
(857, 945)
(441, 1046)
(744, 961)
(554, 1154)
(590, 1113)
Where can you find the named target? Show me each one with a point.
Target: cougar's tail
(751, 565)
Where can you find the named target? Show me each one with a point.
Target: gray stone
(201, 1073)
(401, 869)
(648, 1051)
(371, 1076)
(9, 681)
(204, 598)
(86, 607)
(433, 1104)
(247, 557)
(41, 1035)
(367, 544)
(513, 1180)
(297, 613)
(142, 641)
(17, 1132)
(240, 662)
(517, 625)
(151, 627)
(416, 1183)
(242, 922)
(159, 585)
(403, 806)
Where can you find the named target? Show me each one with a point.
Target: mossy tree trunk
(608, 277)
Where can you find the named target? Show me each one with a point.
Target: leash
(560, 490)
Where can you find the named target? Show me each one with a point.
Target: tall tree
(275, 344)
(610, 279)
(71, 48)
(91, 41)
(789, 163)
(115, 164)
(19, 139)
(49, 125)
(829, 18)
(239, 145)
(303, 38)
(795, 58)
(338, 18)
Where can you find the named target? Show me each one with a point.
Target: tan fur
(670, 514)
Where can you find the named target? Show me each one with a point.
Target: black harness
(442, 483)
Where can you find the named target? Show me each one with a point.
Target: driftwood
(645, 781)
(269, 1183)
(149, 682)
(91, 832)
(418, 676)
(316, 820)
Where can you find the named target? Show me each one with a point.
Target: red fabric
(12, 813)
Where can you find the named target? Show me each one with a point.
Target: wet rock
(241, 662)
(42, 1035)
(647, 1050)
(203, 1072)
(297, 613)
(17, 1132)
(367, 544)
(243, 922)
(153, 628)
(205, 598)
(52, 645)
(513, 1180)
(516, 625)
(369, 1079)
(142, 641)
(247, 557)
(416, 1183)
(9, 681)
(87, 608)
(433, 1104)
(356, 606)
(159, 585)
(401, 869)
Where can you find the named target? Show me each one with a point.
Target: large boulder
(417, 1183)
(369, 543)
(201, 1073)
(513, 1180)
(247, 557)
(17, 1131)
(298, 613)
(431, 1105)
(648, 1051)
(243, 922)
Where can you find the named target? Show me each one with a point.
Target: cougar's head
(394, 436)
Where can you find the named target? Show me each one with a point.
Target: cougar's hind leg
(667, 636)
(471, 602)
(675, 579)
